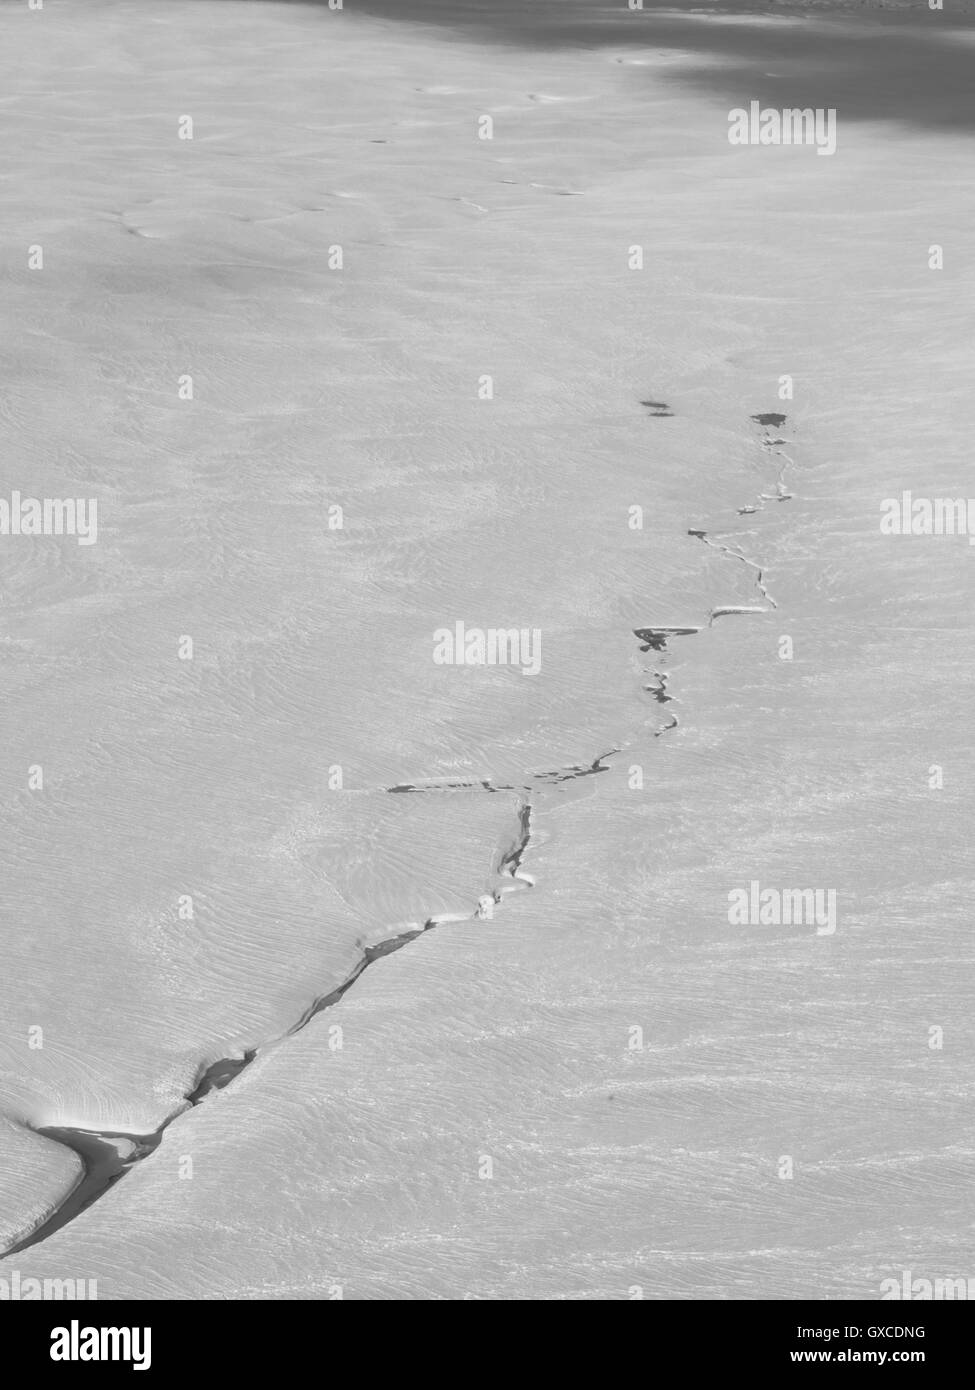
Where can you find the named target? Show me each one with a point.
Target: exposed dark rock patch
(656, 637)
(106, 1156)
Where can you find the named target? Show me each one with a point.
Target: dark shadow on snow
(899, 65)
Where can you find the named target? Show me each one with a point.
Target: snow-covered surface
(358, 1159)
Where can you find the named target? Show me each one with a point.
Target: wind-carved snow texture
(656, 638)
(107, 1155)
